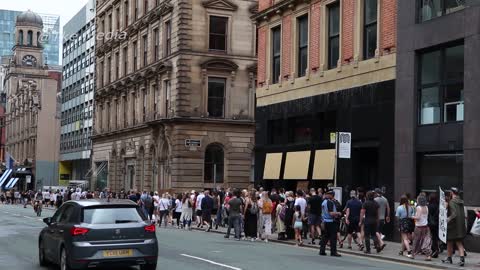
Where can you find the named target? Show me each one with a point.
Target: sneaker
(447, 260)
(266, 240)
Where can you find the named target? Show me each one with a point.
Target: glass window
(302, 23)
(168, 38)
(300, 129)
(145, 50)
(429, 9)
(218, 33)
(214, 164)
(370, 30)
(441, 85)
(216, 97)
(276, 54)
(333, 34)
(112, 215)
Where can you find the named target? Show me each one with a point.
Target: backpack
(254, 209)
(267, 207)
(283, 212)
(147, 201)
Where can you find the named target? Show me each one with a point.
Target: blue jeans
(234, 221)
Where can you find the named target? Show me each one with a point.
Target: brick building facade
(175, 99)
(325, 66)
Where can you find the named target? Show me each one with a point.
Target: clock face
(29, 60)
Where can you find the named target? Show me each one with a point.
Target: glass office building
(51, 32)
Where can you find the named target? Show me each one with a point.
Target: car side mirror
(47, 221)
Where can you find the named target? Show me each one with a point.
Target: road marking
(211, 262)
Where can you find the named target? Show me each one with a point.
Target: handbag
(475, 231)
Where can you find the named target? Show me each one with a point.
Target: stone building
(174, 100)
(325, 66)
(32, 120)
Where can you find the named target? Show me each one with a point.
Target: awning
(11, 183)
(324, 164)
(273, 162)
(296, 165)
(5, 176)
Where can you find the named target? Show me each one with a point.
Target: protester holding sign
(476, 225)
(456, 231)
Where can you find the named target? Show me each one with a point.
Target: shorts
(177, 214)
(381, 225)
(314, 220)
(207, 216)
(199, 213)
(298, 225)
(353, 227)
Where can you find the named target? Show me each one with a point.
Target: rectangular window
(145, 50)
(441, 85)
(276, 53)
(157, 42)
(144, 112)
(117, 18)
(101, 70)
(136, 9)
(110, 23)
(370, 28)
(168, 38)
(117, 65)
(125, 61)
(300, 129)
(155, 100)
(167, 86)
(127, 12)
(333, 34)
(135, 52)
(145, 7)
(218, 33)
(109, 69)
(430, 9)
(125, 111)
(302, 24)
(216, 97)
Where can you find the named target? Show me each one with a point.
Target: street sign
(28, 178)
(192, 143)
(344, 144)
(442, 228)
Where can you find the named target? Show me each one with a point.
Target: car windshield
(112, 215)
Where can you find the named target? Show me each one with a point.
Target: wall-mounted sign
(344, 144)
(193, 143)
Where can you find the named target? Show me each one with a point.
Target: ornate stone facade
(175, 98)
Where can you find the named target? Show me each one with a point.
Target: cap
(454, 190)
(330, 191)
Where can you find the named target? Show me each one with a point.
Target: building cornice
(277, 8)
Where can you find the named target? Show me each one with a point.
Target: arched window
(30, 38)
(39, 37)
(213, 171)
(20, 37)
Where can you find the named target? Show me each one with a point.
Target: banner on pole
(442, 228)
(344, 144)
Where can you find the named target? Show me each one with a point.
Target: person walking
(198, 209)
(280, 220)
(422, 241)
(207, 209)
(187, 212)
(404, 214)
(298, 225)
(433, 218)
(164, 206)
(383, 213)
(266, 208)
(178, 210)
(456, 228)
(329, 212)
(234, 215)
(251, 212)
(352, 218)
(314, 204)
(369, 218)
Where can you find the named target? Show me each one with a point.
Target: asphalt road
(19, 229)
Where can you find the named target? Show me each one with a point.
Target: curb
(371, 256)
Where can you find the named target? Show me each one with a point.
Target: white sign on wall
(442, 228)
(344, 144)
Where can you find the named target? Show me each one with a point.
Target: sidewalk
(390, 253)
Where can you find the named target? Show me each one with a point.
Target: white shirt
(54, 197)
(199, 201)
(302, 202)
(164, 204)
(46, 196)
(178, 206)
(156, 199)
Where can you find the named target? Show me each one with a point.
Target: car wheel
(64, 260)
(41, 255)
(148, 267)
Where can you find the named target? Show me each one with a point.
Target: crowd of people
(301, 216)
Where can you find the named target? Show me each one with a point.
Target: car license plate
(118, 253)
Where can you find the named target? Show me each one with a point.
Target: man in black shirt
(369, 218)
(207, 208)
(315, 214)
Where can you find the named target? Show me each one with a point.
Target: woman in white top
(156, 200)
(187, 212)
(422, 240)
(177, 212)
(163, 207)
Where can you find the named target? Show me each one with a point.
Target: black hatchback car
(94, 233)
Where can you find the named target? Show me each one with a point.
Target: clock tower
(32, 114)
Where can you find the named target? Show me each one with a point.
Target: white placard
(29, 179)
(442, 228)
(344, 144)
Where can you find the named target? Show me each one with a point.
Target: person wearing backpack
(251, 212)
(280, 218)
(145, 203)
(266, 206)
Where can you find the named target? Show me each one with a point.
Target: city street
(19, 230)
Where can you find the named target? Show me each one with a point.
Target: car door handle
(60, 231)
